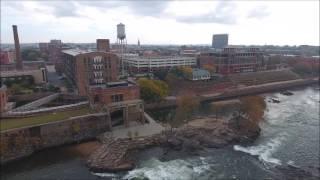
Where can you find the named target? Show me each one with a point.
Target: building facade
(199, 75)
(140, 64)
(103, 45)
(37, 76)
(3, 98)
(7, 57)
(89, 68)
(55, 55)
(233, 60)
(44, 47)
(220, 41)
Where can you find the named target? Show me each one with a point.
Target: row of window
(98, 81)
(17, 78)
(97, 67)
(97, 74)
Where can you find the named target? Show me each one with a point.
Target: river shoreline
(239, 92)
(117, 155)
(293, 125)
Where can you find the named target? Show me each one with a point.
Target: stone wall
(21, 142)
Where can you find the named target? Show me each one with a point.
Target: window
(117, 98)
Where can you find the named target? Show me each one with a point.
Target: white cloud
(166, 22)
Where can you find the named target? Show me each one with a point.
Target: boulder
(191, 144)
(174, 143)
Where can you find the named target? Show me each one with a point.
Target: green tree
(30, 54)
(161, 75)
(16, 89)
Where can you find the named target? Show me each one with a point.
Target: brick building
(233, 60)
(44, 47)
(55, 55)
(7, 57)
(103, 45)
(3, 98)
(89, 68)
(95, 74)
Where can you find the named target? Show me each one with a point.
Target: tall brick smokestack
(17, 47)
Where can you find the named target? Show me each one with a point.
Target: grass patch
(42, 119)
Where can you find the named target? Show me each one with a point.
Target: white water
(278, 119)
(264, 151)
(289, 136)
(174, 169)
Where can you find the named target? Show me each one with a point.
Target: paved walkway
(142, 129)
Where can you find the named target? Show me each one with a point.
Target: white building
(155, 63)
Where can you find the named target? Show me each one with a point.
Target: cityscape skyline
(163, 22)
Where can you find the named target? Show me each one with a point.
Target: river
(290, 135)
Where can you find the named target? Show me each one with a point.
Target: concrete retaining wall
(22, 142)
(45, 110)
(33, 105)
(264, 88)
(236, 93)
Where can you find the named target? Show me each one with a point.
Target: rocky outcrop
(118, 155)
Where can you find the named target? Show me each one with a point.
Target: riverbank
(116, 155)
(289, 135)
(238, 92)
(21, 142)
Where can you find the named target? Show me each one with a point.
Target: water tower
(121, 43)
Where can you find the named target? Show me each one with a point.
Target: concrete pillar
(125, 116)
(142, 113)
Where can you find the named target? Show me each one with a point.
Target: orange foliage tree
(186, 105)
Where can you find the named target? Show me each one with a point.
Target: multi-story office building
(220, 41)
(233, 60)
(136, 64)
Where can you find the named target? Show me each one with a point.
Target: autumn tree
(251, 111)
(303, 69)
(210, 67)
(152, 90)
(186, 106)
(253, 107)
(186, 71)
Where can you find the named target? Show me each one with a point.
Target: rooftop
(200, 72)
(75, 52)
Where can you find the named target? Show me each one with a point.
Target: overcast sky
(163, 22)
